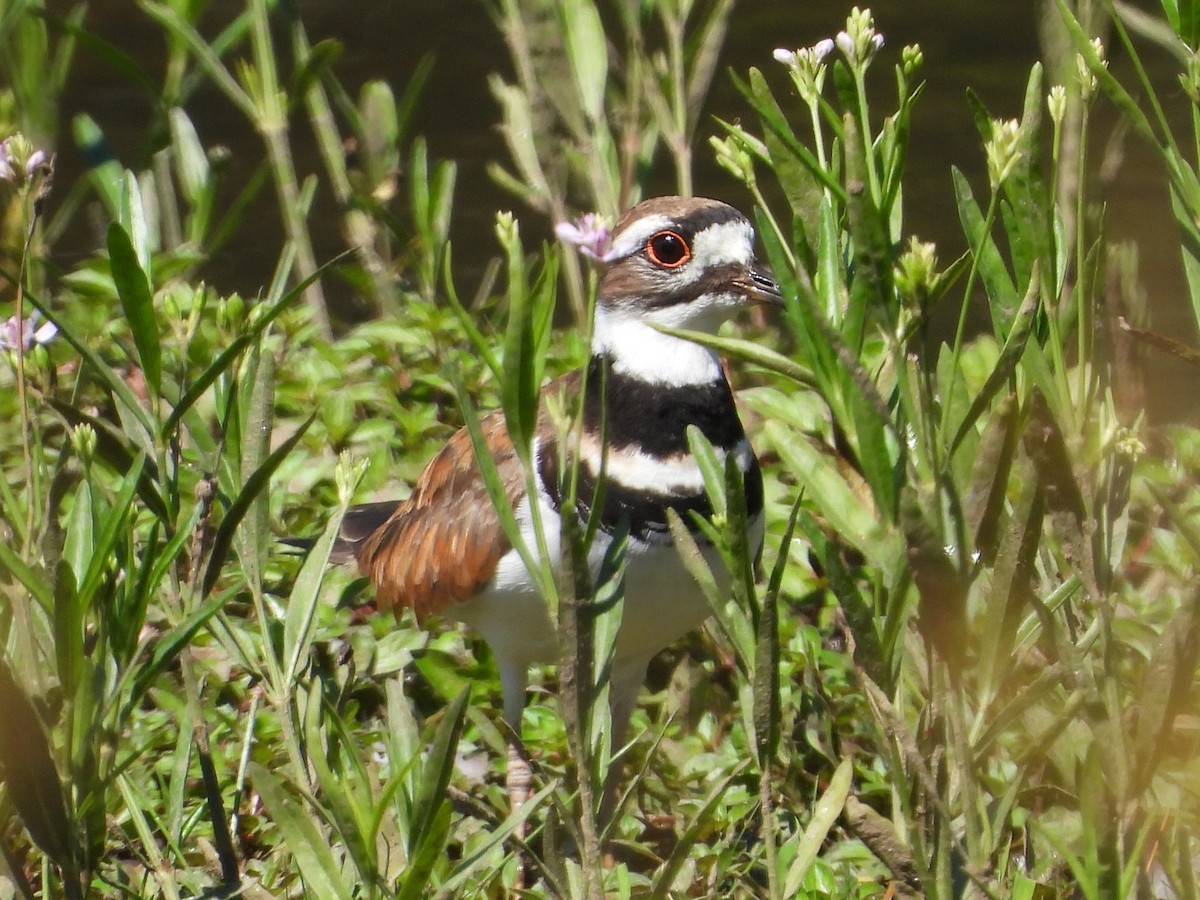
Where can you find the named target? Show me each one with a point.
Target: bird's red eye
(668, 249)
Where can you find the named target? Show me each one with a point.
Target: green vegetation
(965, 670)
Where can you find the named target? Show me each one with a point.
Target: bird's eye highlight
(668, 249)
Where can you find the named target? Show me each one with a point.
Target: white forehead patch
(723, 244)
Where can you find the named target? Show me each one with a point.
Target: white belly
(662, 601)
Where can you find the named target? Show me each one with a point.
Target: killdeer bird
(680, 262)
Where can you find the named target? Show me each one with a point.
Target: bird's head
(675, 262)
(683, 262)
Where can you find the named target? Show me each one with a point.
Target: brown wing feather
(443, 543)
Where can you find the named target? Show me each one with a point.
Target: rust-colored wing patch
(443, 543)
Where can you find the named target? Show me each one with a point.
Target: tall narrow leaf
(133, 289)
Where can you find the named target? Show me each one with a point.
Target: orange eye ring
(668, 250)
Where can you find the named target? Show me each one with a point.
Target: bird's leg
(518, 775)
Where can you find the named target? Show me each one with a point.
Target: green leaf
(748, 351)
(830, 272)
(256, 399)
(237, 510)
(760, 97)
(1002, 294)
(587, 54)
(521, 371)
(191, 162)
(68, 629)
(167, 648)
(132, 217)
(1010, 355)
(431, 847)
(342, 781)
(767, 708)
(871, 289)
(732, 621)
(824, 816)
(133, 288)
(27, 768)
(711, 468)
(987, 492)
(302, 605)
(104, 171)
(113, 527)
(301, 836)
(111, 379)
(664, 879)
(819, 471)
(32, 580)
(435, 772)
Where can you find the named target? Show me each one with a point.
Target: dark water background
(988, 46)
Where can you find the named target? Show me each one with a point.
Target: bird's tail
(359, 523)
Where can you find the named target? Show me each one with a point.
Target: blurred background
(987, 47)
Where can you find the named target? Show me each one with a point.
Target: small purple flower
(785, 56)
(589, 233)
(19, 162)
(821, 49)
(14, 333)
(36, 160)
(845, 43)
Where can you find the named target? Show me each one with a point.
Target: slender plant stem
(960, 330)
(31, 475)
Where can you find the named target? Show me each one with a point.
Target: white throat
(638, 349)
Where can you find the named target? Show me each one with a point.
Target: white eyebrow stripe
(636, 234)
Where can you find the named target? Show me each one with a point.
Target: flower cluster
(1190, 80)
(589, 233)
(1084, 65)
(807, 67)
(1003, 150)
(911, 59)
(735, 153)
(860, 41)
(19, 161)
(916, 270)
(23, 334)
(1056, 103)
